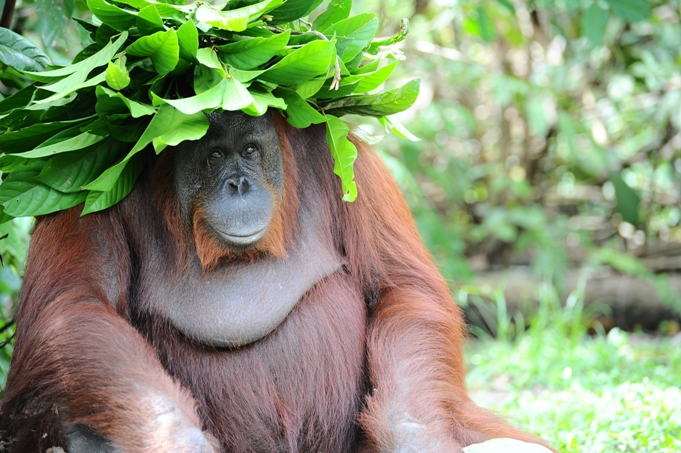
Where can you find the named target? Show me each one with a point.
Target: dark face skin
(234, 175)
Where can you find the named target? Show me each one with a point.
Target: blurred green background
(546, 184)
(550, 148)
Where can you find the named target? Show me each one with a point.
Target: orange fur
(369, 360)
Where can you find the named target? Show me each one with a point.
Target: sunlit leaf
(236, 96)
(311, 60)
(209, 99)
(80, 141)
(371, 80)
(82, 68)
(117, 76)
(383, 104)
(188, 40)
(118, 18)
(292, 10)
(344, 154)
(360, 29)
(299, 113)
(250, 53)
(311, 87)
(169, 127)
(393, 125)
(161, 47)
(149, 21)
(64, 96)
(236, 19)
(336, 11)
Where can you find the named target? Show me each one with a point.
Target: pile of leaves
(154, 69)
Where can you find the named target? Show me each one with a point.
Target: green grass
(611, 393)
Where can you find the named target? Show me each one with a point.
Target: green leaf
(188, 39)
(335, 12)
(237, 96)
(209, 58)
(178, 128)
(80, 141)
(110, 102)
(221, 19)
(311, 60)
(149, 21)
(24, 198)
(369, 67)
(59, 98)
(252, 52)
(104, 35)
(371, 80)
(594, 21)
(299, 113)
(326, 93)
(116, 17)
(20, 53)
(162, 48)
(262, 100)
(292, 10)
(69, 172)
(18, 100)
(32, 136)
(392, 124)
(210, 99)
(117, 76)
(361, 29)
(311, 87)
(97, 201)
(245, 76)
(487, 31)
(168, 10)
(630, 10)
(205, 78)
(344, 154)
(168, 127)
(628, 201)
(378, 105)
(236, 19)
(82, 68)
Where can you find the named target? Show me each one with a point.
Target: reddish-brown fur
(369, 357)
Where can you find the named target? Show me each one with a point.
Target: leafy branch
(155, 69)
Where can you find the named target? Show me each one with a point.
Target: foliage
(608, 393)
(150, 73)
(550, 129)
